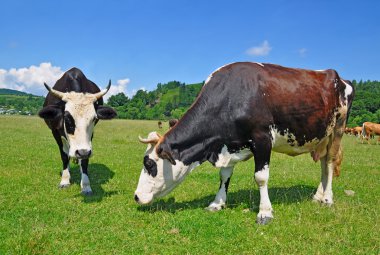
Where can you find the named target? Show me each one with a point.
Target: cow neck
(192, 139)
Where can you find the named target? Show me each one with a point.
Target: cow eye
(69, 123)
(148, 162)
(150, 166)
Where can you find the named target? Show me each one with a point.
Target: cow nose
(136, 198)
(83, 153)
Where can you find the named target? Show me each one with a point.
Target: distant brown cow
(356, 131)
(159, 124)
(172, 122)
(371, 129)
(348, 131)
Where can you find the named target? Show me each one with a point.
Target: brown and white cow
(249, 109)
(71, 110)
(348, 131)
(369, 130)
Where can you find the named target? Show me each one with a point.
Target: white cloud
(261, 50)
(119, 87)
(302, 52)
(30, 79)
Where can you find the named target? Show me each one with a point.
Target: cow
(248, 109)
(159, 123)
(356, 131)
(348, 131)
(71, 110)
(369, 130)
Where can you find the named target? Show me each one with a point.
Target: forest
(366, 105)
(171, 100)
(167, 101)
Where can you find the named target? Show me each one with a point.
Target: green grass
(38, 218)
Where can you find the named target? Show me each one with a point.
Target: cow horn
(149, 140)
(56, 93)
(103, 92)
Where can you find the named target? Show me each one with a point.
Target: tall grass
(38, 218)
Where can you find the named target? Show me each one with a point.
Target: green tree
(118, 100)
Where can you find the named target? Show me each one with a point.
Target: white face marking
(226, 159)
(167, 178)
(260, 64)
(81, 107)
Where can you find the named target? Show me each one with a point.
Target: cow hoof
(327, 203)
(87, 193)
(214, 207)
(63, 186)
(263, 220)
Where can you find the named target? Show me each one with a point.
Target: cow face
(78, 119)
(159, 175)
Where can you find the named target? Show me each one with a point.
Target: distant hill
(17, 102)
(12, 92)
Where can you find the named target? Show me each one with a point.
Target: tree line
(167, 101)
(366, 105)
(172, 99)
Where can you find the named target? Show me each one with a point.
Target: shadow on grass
(98, 174)
(247, 198)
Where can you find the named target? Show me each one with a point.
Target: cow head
(77, 118)
(161, 173)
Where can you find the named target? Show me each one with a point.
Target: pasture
(38, 218)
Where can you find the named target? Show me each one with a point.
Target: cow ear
(169, 157)
(50, 112)
(165, 155)
(105, 113)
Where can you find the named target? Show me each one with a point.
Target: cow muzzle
(83, 154)
(143, 199)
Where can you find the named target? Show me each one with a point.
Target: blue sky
(139, 43)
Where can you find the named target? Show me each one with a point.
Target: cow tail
(363, 131)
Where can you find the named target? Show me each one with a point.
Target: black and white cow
(71, 110)
(249, 109)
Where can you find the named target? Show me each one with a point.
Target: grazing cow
(172, 122)
(348, 131)
(159, 124)
(356, 131)
(247, 109)
(369, 130)
(71, 110)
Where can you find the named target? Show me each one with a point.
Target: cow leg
(221, 197)
(85, 181)
(324, 192)
(318, 197)
(261, 151)
(329, 163)
(65, 175)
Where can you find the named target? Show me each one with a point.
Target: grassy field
(38, 218)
